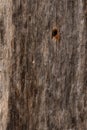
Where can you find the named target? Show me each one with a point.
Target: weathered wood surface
(43, 81)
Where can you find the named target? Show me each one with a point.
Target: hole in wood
(55, 34)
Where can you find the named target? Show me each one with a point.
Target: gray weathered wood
(43, 81)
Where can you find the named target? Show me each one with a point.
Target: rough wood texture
(44, 84)
(5, 54)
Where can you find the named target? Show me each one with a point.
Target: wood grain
(46, 79)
